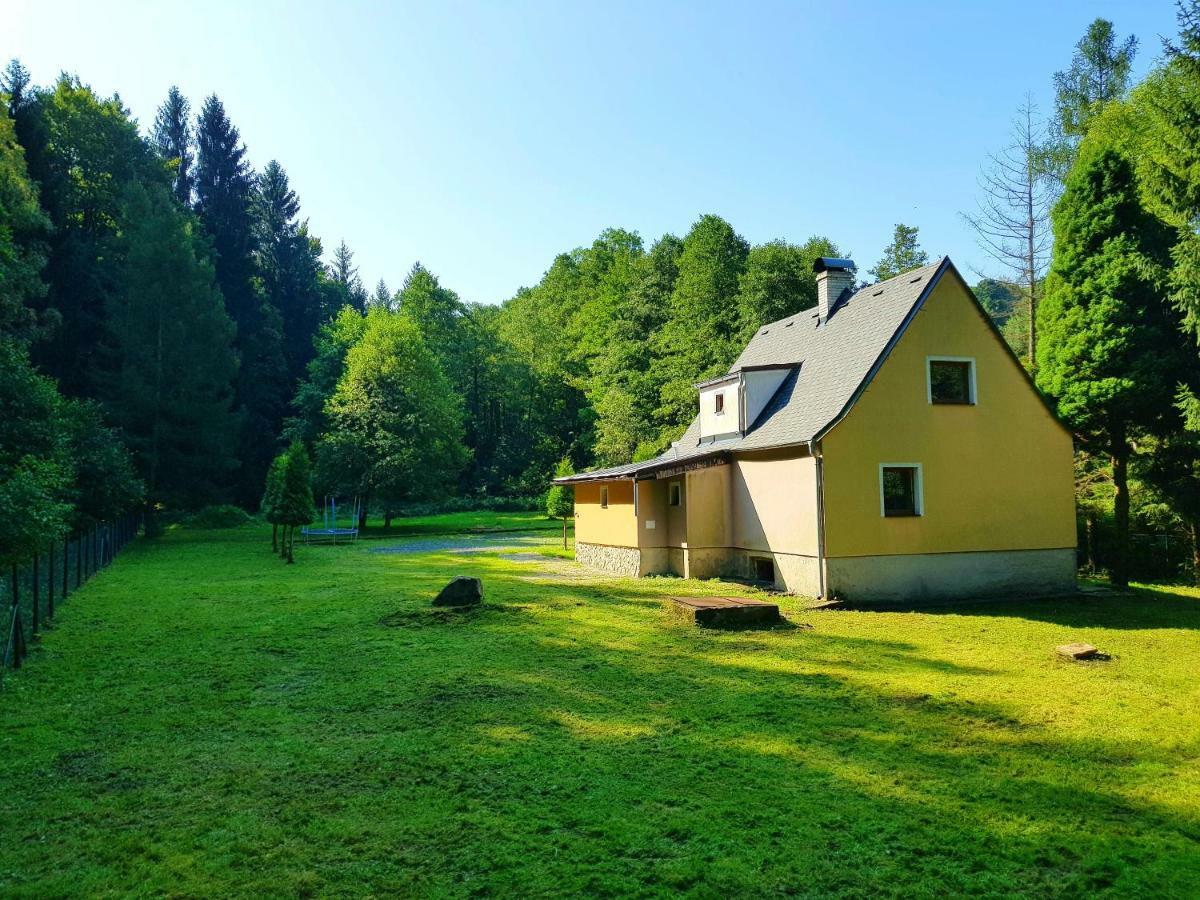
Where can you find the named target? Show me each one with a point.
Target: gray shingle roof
(833, 361)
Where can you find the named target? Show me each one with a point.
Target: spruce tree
(225, 200)
(1109, 354)
(169, 363)
(289, 264)
(172, 138)
(382, 298)
(344, 274)
(224, 187)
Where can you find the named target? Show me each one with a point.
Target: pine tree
(172, 138)
(169, 362)
(902, 255)
(1109, 352)
(560, 499)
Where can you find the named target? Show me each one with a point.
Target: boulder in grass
(1079, 651)
(462, 591)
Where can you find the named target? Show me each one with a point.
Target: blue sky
(483, 139)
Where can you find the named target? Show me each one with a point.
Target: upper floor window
(604, 498)
(719, 403)
(951, 380)
(673, 493)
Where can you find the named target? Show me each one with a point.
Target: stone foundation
(952, 576)
(625, 561)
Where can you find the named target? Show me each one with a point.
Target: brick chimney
(834, 276)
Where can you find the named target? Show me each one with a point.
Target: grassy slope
(204, 720)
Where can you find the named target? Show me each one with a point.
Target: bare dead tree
(1012, 221)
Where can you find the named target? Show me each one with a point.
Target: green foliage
(1000, 298)
(23, 232)
(85, 153)
(698, 339)
(169, 364)
(272, 500)
(560, 499)
(1109, 354)
(35, 462)
(221, 516)
(333, 341)
(779, 281)
(395, 424)
(902, 255)
(106, 483)
(295, 493)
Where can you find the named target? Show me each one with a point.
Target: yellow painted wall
(616, 526)
(774, 501)
(653, 525)
(997, 475)
(707, 509)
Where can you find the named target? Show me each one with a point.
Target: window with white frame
(901, 490)
(719, 403)
(950, 380)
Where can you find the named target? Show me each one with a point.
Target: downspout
(814, 450)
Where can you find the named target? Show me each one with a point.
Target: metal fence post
(50, 583)
(17, 634)
(36, 599)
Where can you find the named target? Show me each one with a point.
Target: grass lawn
(206, 721)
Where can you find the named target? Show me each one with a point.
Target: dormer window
(719, 404)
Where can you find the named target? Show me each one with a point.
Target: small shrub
(222, 516)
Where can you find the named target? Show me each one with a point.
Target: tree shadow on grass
(1138, 609)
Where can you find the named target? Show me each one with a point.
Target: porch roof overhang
(653, 468)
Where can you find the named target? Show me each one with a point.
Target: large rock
(462, 591)
(1079, 651)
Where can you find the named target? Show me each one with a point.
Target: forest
(170, 323)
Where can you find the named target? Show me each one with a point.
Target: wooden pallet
(726, 612)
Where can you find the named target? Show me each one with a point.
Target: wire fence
(33, 591)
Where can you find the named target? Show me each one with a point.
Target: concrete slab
(726, 612)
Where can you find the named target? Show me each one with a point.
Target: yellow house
(885, 445)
